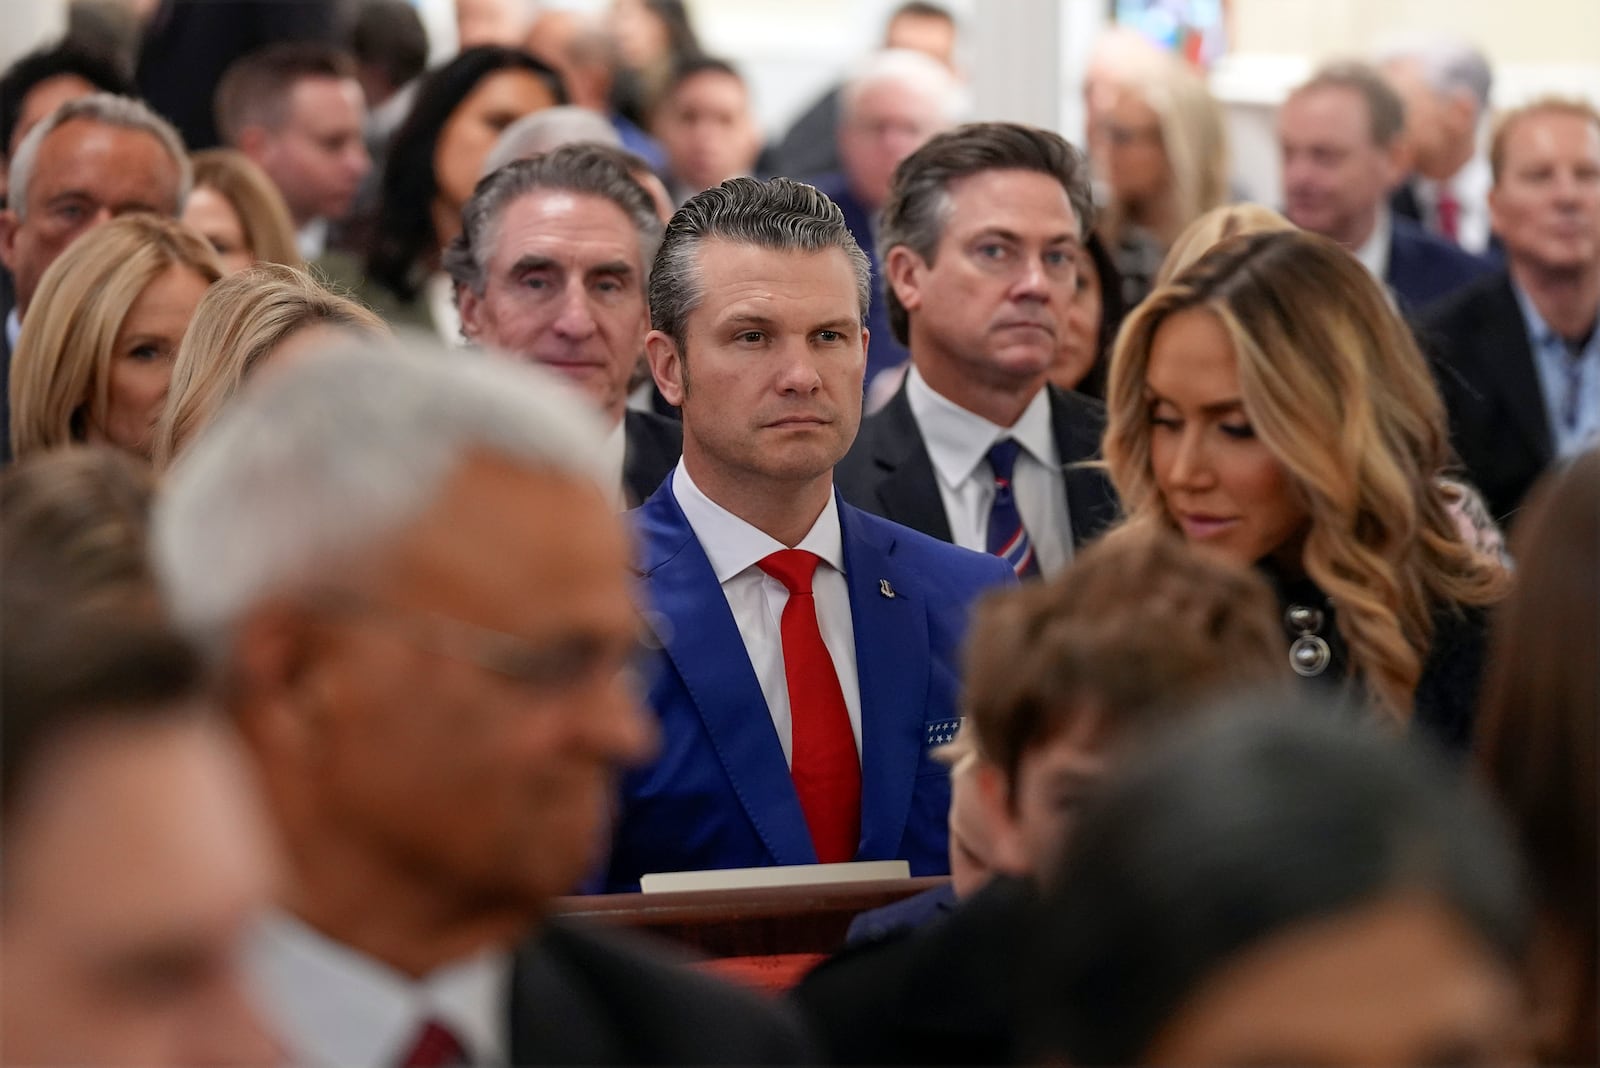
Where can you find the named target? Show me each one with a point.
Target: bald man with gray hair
(409, 574)
(1445, 82)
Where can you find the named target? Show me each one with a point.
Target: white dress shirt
(333, 1005)
(1374, 252)
(756, 599)
(311, 240)
(1471, 188)
(958, 444)
(13, 329)
(615, 455)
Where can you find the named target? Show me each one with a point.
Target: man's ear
(470, 307)
(9, 224)
(1009, 854)
(255, 142)
(904, 269)
(1396, 161)
(275, 661)
(666, 365)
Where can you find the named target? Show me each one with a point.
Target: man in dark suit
(979, 238)
(809, 666)
(421, 599)
(887, 110)
(550, 268)
(1518, 354)
(1340, 135)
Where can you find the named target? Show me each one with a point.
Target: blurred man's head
(297, 111)
(421, 599)
(1545, 202)
(390, 47)
(706, 126)
(1444, 83)
(923, 27)
(1281, 886)
(39, 82)
(893, 104)
(1339, 135)
(494, 22)
(1067, 678)
(93, 159)
(137, 858)
(578, 46)
(551, 267)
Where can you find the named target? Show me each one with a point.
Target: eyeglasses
(563, 664)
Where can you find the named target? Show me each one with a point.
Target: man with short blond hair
(1521, 349)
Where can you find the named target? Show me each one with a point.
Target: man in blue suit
(809, 660)
(1340, 135)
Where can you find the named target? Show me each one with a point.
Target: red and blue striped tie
(1008, 538)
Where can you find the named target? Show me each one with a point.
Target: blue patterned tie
(1008, 538)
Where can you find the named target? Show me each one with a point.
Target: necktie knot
(792, 567)
(1003, 459)
(436, 1046)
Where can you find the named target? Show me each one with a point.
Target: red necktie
(435, 1047)
(1449, 214)
(824, 765)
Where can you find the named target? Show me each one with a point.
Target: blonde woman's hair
(1195, 140)
(60, 371)
(1213, 228)
(264, 217)
(1335, 387)
(239, 321)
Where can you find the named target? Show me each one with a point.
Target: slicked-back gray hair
(107, 109)
(779, 214)
(311, 469)
(589, 169)
(546, 130)
(919, 195)
(1449, 64)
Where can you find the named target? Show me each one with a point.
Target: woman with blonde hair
(95, 354)
(1166, 165)
(235, 206)
(266, 312)
(1215, 227)
(1270, 402)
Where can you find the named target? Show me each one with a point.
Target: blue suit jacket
(1423, 268)
(718, 795)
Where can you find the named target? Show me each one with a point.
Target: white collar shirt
(756, 599)
(333, 1005)
(1470, 185)
(958, 443)
(1374, 252)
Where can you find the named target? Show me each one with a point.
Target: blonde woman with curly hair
(235, 206)
(95, 354)
(1269, 402)
(264, 313)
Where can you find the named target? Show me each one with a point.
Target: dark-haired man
(979, 241)
(809, 661)
(706, 127)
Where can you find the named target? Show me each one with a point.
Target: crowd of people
(430, 494)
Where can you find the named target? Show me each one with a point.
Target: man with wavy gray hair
(94, 158)
(418, 595)
(810, 664)
(550, 269)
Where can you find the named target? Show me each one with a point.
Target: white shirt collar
(1374, 253)
(734, 546)
(312, 239)
(337, 1006)
(13, 329)
(959, 440)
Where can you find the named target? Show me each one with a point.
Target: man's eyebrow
(838, 325)
(525, 264)
(612, 267)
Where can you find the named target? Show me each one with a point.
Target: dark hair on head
(63, 670)
(1538, 741)
(674, 16)
(778, 214)
(921, 9)
(254, 90)
(389, 35)
(1238, 829)
(40, 66)
(694, 66)
(1386, 111)
(919, 194)
(1113, 309)
(590, 169)
(404, 235)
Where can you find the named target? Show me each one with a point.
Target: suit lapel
(1077, 428)
(1508, 359)
(909, 489)
(892, 661)
(704, 645)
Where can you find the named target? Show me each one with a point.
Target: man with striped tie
(978, 242)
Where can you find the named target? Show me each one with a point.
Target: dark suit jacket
(5, 387)
(1423, 268)
(883, 351)
(585, 996)
(811, 145)
(653, 445)
(1484, 366)
(1404, 202)
(718, 794)
(888, 470)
